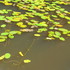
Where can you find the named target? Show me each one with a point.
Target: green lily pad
(57, 33)
(3, 25)
(2, 18)
(10, 36)
(61, 38)
(3, 37)
(7, 55)
(56, 23)
(41, 30)
(4, 33)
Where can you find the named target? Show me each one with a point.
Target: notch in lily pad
(3, 25)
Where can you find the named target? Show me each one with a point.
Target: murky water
(44, 55)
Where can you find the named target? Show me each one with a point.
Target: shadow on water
(45, 55)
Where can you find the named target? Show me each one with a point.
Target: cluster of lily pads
(8, 56)
(50, 15)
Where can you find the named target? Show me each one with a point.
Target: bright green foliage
(7, 55)
(41, 30)
(66, 17)
(3, 25)
(2, 40)
(4, 33)
(14, 32)
(3, 36)
(50, 15)
(44, 24)
(11, 36)
(68, 22)
(2, 18)
(64, 31)
(27, 61)
(56, 23)
(61, 38)
(51, 33)
(57, 33)
(54, 16)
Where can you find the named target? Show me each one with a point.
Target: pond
(44, 54)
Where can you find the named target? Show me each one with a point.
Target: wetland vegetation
(50, 25)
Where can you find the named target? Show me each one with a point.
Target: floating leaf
(68, 34)
(41, 24)
(42, 29)
(4, 33)
(56, 36)
(27, 61)
(26, 30)
(65, 31)
(13, 32)
(2, 40)
(7, 55)
(61, 38)
(54, 16)
(2, 57)
(51, 33)
(50, 38)
(57, 33)
(2, 18)
(20, 24)
(68, 18)
(44, 17)
(3, 37)
(16, 13)
(62, 9)
(56, 23)
(36, 34)
(51, 27)
(10, 36)
(21, 54)
(3, 25)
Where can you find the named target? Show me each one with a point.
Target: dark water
(44, 55)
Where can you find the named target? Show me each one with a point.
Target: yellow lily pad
(27, 61)
(2, 57)
(6, 3)
(36, 34)
(21, 54)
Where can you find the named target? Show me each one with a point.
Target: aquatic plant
(7, 55)
(3, 25)
(50, 23)
(36, 34)
(26, 61)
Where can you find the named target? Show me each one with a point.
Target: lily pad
(4, 33)
(36, 34)
(61, 38)
(3, 25)
(7, 55)
(27, 61)
(2, 40)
